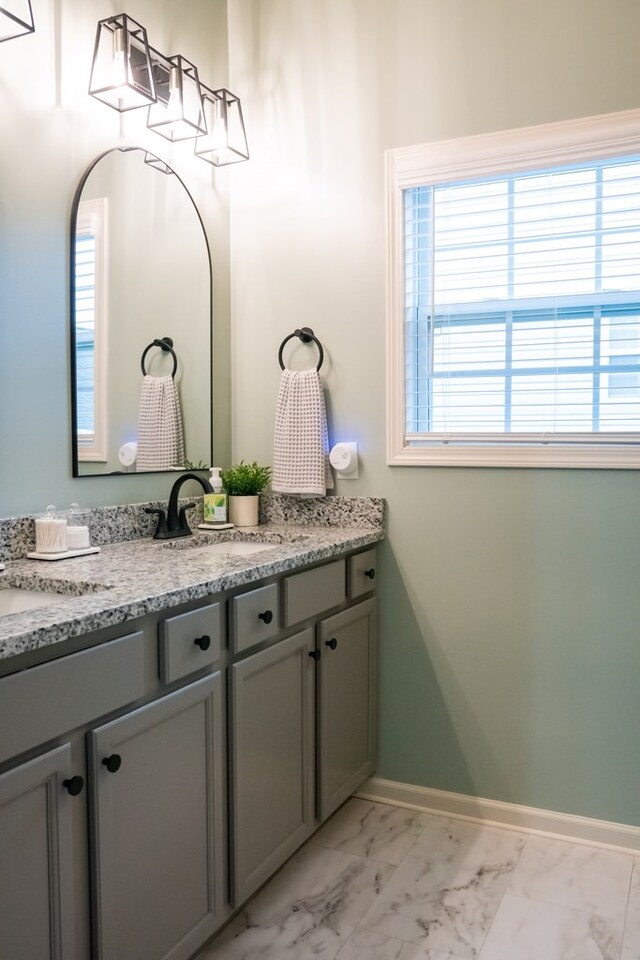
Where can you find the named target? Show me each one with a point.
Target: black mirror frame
(72, 329)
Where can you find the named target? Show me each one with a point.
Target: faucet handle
(183, 523)
(161, 529)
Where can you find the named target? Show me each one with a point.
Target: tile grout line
(504, 893)
(634, 863)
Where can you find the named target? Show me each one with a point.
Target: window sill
(579, 456)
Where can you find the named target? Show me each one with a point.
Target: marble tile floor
(378, 882)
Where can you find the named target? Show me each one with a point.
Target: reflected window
(91, 324)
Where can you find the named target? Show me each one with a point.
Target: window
(90, 329)
(514, 298)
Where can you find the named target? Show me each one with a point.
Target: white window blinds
(522, 307)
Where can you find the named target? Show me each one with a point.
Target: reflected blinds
(522, 307)
(85, 276)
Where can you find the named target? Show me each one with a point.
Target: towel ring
(306, 335)
(166, 345)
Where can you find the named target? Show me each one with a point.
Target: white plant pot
(243, 511)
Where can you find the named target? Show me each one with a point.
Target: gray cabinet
(346, 670)
(79, 688)
(166, 838)
(189, 642)
(272, 748)
(36, 860)
(313, 592)
(254, 617)
(157, 843)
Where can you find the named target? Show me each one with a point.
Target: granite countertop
(130, 579)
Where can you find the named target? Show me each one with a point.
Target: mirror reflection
(140, 320)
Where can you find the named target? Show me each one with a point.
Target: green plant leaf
(245, 479)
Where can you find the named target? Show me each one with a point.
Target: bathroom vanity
(167, 742)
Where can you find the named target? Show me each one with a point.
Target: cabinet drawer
(189, 642)
(362, 573)
(44, 702)
(255, 617)
(309, 593)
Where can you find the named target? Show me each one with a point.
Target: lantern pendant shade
(177, 113)
(226, 140)
(152, 161)
(121, 73)
(16, 19)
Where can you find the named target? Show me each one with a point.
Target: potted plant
(243, 483)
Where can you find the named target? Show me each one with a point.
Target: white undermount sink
(17, 599)
(248, 546)
(233, 548)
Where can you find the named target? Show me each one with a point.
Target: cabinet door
(272, 759)
(346, 690)
(156, 801)
(36, 860)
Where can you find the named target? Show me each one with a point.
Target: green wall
(509, 601)
(510, 651)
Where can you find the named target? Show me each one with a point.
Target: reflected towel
(301, 440)
(160, 433)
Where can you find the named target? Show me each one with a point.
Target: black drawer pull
(203, 642)
(370, 573)
(113, 762)
(74, 785)
(315, 655)
(332, 644)
(267, 616)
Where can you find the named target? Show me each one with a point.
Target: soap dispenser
(215, 504)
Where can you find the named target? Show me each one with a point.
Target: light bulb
(174, 106)
(120, 65)
(220, 133)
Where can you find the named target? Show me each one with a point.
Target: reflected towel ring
(166, 345)
(306, 335)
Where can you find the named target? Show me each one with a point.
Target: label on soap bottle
(215, 508)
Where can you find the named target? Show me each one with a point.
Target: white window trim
(525, 148)
(93, 216)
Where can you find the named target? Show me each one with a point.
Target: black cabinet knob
(267, 616)
(314, 654)
(370, 573)
(203, 642)
(113, 762)
(74, 785)
(332, 644)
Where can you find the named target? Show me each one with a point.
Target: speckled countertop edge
(128, 580)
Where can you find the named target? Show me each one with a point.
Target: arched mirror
(141, 315)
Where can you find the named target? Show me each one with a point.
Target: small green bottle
(215, 504)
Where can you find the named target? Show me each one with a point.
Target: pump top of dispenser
(215, 479)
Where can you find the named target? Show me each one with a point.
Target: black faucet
(174, 524)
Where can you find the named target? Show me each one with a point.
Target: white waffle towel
(160, 433)
(301, 440)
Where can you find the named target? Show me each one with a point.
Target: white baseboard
(511, 816)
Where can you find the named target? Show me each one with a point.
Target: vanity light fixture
(127, 73)
(121, 74)
(16, 19)
(177, 113)
(226, 139)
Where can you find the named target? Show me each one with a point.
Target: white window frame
(92, 218)
(522, 149)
